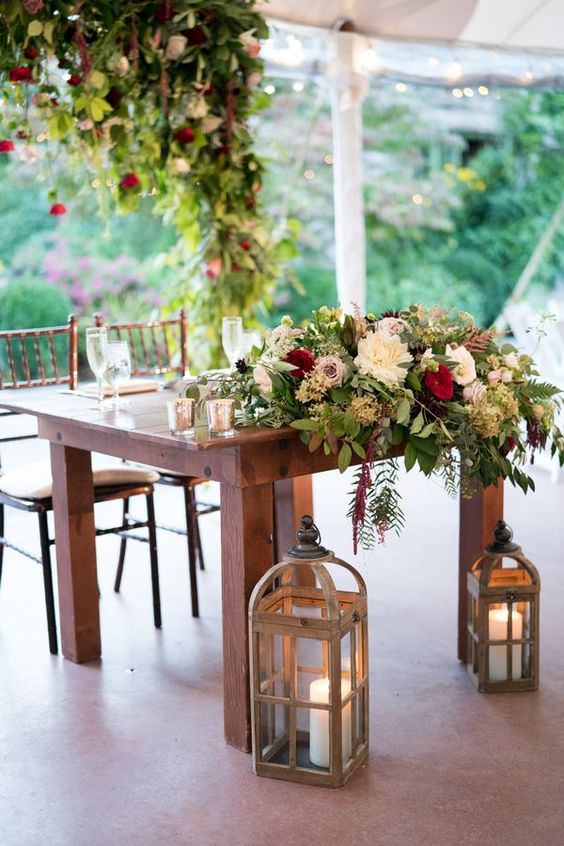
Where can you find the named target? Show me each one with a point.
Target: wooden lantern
(309, 668)
(503, 617)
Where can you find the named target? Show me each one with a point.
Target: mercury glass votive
(221, 417)
(181, 412)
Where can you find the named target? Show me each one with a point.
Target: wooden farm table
(265, 479)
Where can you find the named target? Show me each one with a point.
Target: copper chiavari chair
(33, 358)
(160, 347)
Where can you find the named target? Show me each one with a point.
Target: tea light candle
(319, 723)
(221, 417)
(181, 411)
(498, 619)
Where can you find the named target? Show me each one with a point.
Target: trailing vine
(153, 98)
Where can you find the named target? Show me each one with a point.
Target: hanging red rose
(31, 53)
(21, 134)
(20, 74)
(74, 79)
(185, 136)
(57, 209)
(114, 98)
(245, 245)
(440, 383)
(195, 36)
(6, 146)
(130, 180)
(303, 360)
(164, 13)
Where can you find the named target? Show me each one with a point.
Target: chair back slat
(32, 358)
(153, 344)
(38, 356)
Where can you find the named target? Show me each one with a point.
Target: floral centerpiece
(425, 383)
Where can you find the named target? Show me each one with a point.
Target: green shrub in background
(29, 304)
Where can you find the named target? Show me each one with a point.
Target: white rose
(262, 378)
(506, 376)
(474, 392)
(465, 370)
(180, 167)
(511, 360)
(333, 368)
(175, 47)
(391, 325)
(384, 357)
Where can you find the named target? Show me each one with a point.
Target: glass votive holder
(181, 412)
(221, 417)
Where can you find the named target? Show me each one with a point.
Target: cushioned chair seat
(34, 481)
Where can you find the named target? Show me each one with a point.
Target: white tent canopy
(529, 24)
(446, 42)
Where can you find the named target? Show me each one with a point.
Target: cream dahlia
(384, 357)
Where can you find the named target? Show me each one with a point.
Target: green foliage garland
(152, 98)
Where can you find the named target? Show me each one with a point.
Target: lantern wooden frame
(514, 593)
(280, 615)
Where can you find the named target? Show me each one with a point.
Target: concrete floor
(130, 750)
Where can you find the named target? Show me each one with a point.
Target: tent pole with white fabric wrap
(508, 42)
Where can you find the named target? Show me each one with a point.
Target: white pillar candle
(319, 723)
(498, 619)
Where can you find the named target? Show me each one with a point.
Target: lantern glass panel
(272, 665)
(274, 735)
(346, 664)
(499, 616)
(311, 664)
(361, 637)
(312, 752)
(359, 707)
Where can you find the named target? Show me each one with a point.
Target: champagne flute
(232, 338)
(118, 368)
(97, 354)
(251, 338)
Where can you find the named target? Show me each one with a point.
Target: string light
(95, 183)
(468, 92)
(309, 174)
(457, 92)
(417, 199)
(329, 159)
(269, 89)
(401, 88)
(526, 78)
(298, 86)
(483, 90)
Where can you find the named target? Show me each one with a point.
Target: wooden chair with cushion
(160, 347)
(32, 358)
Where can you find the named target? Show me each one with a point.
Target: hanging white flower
(175, 47)
(465, 370)
(180, 167)
(384, 357)
(211, 123)
(197, 107)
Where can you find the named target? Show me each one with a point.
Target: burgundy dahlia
(303, 360)
(440, 383)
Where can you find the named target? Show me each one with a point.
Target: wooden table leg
(73, 508)
(478, 517)
(247, 551)
(292, 499)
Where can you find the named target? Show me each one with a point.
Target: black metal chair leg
(191, 521)
(154, 561)
(1, 539)
(122, 549)
(48, 582)
(199, 550)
